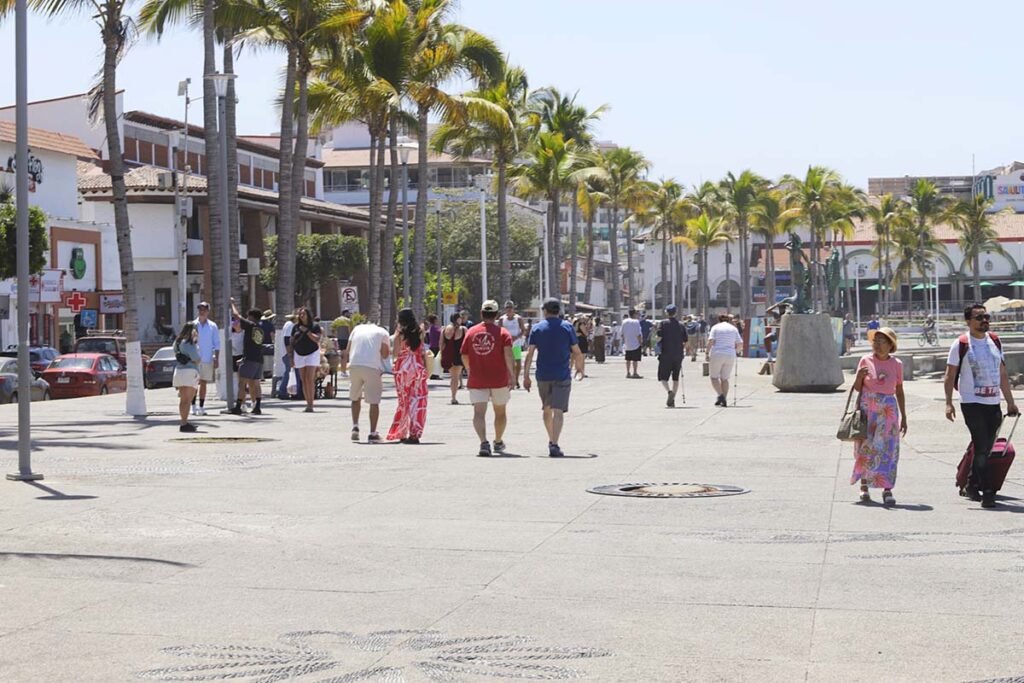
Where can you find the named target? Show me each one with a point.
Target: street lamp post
(858, 274)
(220, 82)
(728, 282)
(181, 217)
(483, 181)
(546, 289)
(404, 147)
(440, 288)
(24, 472)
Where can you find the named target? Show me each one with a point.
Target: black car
(160, 370)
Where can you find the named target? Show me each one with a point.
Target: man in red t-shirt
(487, 356)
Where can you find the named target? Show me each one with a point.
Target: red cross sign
(75, 301)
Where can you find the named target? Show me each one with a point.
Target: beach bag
(854, 425)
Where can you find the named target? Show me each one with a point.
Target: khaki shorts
(720, 366)
(365, 381)
(555, 394)
(499, 396)
(185, 377)
(206, 372)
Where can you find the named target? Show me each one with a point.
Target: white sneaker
(202, 411)
(195, 410)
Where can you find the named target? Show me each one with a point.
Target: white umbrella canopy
(996, 304)
(1013, 304)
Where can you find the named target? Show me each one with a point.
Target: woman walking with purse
(880, 383)
(186, 372)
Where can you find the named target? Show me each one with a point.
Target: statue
(799, 272)
(832, 279)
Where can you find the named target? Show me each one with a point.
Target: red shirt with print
(485, 345)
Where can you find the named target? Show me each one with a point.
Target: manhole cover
(221, 439)
(668, 490)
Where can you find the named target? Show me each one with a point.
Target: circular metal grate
(668, 490)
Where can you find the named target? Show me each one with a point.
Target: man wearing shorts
(209, 354)
(554, 342)
(487, 356)
(250, 372)
(724, 344)
(673, 348)
(368, 346)
(632, 342)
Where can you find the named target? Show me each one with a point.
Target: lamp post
(24, 472)
(546, 289)
(404, 147)
(728, 282)
(483, 181)
(181, 217)
(858, 274)
(440, 288)
(220, 82)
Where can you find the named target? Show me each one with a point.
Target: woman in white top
(724, 344)
(514, 324)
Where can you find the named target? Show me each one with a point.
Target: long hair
(298, 316)
(409, 328)
(186, 333)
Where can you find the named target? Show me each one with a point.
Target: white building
(83, 271)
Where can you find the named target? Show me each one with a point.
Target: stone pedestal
(807, 359)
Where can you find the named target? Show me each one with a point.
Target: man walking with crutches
(673, 349)
(724, 344)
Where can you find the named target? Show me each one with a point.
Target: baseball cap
(552, 305)
(490, 306)
(670, 309)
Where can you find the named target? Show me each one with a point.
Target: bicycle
(928, 338)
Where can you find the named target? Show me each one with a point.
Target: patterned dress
(876, 457)
(411, 385)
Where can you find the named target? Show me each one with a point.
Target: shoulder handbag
(854, 425)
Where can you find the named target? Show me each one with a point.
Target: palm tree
(739, 195)
(811, 199)
(770, 219)
(553, 167)
(501, 138)
(704, 232)
(927, 208)
(915, 250)
(888, 215)
(973, 221)
(848, 205)
(443, 51)
(590, 199)
(621, 170)
(556, 112)
(666, 211)
(116, 31)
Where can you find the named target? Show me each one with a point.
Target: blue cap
(670, 309)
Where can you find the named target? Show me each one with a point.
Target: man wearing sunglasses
(976, 368)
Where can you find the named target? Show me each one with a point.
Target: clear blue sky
(871, 87)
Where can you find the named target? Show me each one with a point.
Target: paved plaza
(305, 557)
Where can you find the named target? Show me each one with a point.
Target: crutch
(735, 380)
(682, 384)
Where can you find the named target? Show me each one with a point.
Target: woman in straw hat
(880, 379)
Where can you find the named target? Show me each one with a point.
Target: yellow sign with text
(450, 298)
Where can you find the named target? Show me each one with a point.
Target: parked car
(160, 370)
(85, 374)
(39, 356)
(9, 383)
(114, 345)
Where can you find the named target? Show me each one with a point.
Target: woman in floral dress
(880, 378)
(410, 380)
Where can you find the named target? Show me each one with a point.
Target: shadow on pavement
(55, 494)
(115, 558)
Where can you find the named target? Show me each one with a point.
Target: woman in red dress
(410, 380)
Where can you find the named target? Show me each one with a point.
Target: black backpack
(182, 358)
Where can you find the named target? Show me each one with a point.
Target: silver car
(9, 384)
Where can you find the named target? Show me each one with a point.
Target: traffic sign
(350, 298)
(450, 298)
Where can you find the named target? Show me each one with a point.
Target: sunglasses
(983, 317)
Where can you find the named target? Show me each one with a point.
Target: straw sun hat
(888, 333)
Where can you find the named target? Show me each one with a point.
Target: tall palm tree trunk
(210, 162)
(615, 298)
(630, 277)
(744, 235)
(373, 238)
(231, 183)
(504, 248)
(975, 292)
(588, 286)
(419, 264)
(704, 282)
(285, 219)
(846, 275)
(299, 159)
(664, 283)
(573, 254)
(387, 270)
(769, 262)
(135, 400)
(554, 248)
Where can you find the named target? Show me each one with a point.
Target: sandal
(887, 498)
(865, 496)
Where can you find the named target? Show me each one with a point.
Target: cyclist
(929, 331)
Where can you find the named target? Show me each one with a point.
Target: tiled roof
(144, 180)
(360, 158)
(1010, 227)
(53, 142)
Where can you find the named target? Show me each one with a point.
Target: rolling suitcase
(999, 462)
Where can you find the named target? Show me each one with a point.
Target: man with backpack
(977, 370)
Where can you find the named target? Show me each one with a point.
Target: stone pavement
(308, 558)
